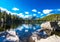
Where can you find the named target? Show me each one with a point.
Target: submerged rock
(12, 37)
(33, 37)
(37, 36)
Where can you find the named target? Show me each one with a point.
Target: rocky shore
(53, 38)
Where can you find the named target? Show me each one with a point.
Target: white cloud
(26, 12)
(47, 11)
(3, 9)
(34, 14)
(58, 9)
(20, 15)
(15, 9)
(39, 12)
(27, 16)
(34, 10)
(24, 16)
(14, 13)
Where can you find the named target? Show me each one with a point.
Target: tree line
(8, 18)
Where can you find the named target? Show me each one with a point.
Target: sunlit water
(23, 31)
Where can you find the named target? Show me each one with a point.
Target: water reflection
(24, 31)
(5, 26)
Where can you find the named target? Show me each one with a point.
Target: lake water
(24, 31)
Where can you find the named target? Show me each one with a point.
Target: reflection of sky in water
(24, 31)
(28, 27)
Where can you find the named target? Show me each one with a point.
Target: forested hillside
(53, 17)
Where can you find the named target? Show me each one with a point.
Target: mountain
(30, 18)
(51, 17)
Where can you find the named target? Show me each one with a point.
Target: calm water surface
(24, 31)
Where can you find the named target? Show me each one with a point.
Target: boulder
(53, 38)
(12, 37)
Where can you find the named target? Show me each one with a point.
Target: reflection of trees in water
(7, 26)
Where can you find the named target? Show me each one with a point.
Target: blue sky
(26, 8)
